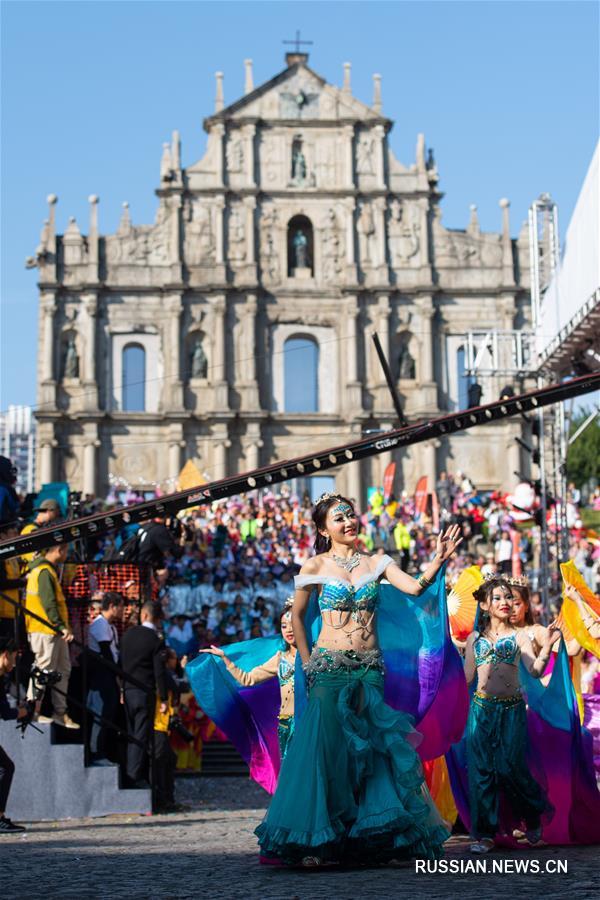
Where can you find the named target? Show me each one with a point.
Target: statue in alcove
(406, 363)
(300, 245)
(199, 362)
(71, 361)
(298, 163)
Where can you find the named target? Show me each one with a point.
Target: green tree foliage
(583, 458)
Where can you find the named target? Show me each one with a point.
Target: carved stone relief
(403, 232)
(142, 245)
(367, 234)
(235, 154)
(236, 234)
(365, 155)
(269, 254)
(332, 248)
(199, 239)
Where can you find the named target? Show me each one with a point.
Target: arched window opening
(301, 375)
(134, 378)
(300, 247)
(463, 379)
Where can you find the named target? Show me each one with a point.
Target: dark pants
(7, 770)
(166, 763)
(103, 699)
(139, 713)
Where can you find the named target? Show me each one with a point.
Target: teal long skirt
(351, 786)
(497, 744)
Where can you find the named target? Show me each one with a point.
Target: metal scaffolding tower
(544, 255)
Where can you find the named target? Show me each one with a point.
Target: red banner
(388, 481)
(421, 496)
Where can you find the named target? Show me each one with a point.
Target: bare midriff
(344, 630)
(499, 680)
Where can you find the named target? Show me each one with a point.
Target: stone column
(348, 132)
(252, 444)
(250, 132)
(47, 387)
(219, 133)
(217, 373)
(381, 318)
(48, 307)
(245, 350)
(220, 447)
(174, 459)
(379, 132)
(219, 229)
(423, 203)
(353, 392)
(173, 389)
(47, 444)
(250, 204)
(513, 463)
(353, 483)
(90, 447)
(424, 305)
(429, 464)
(379, 205)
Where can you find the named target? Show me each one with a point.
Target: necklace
(347, 563)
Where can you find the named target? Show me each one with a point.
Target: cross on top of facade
(298, 42)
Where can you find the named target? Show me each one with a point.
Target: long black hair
(482, 595)
(322, 507)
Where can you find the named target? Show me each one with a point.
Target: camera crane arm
(308, 464)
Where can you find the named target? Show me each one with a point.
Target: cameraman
(154, 541)
(45, 598)
(8, 656)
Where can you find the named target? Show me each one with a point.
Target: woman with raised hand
(351, 787)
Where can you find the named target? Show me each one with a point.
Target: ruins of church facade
(298, 231)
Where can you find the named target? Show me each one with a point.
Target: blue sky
(506, 93)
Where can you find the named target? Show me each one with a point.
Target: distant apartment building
(17, 441)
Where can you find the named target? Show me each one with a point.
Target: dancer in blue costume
(280, 665)
(351, 787)
(497, 739)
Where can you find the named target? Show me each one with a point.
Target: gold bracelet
(424, 582)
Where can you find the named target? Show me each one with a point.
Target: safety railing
(88, 654)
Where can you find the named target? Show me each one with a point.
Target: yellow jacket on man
(12, 569)
(45, 598)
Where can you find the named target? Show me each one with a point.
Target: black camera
(176, 725)
(44, 678)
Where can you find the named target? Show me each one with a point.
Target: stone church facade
(298, 229)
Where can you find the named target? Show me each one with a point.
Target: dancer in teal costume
(351, 787)
(497, 740)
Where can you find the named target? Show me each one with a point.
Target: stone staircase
(220, 758)
(51, 781)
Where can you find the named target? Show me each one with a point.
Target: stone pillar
(219, 132)
(245, 351)
(348, 132)
(380, 261)
(429, 464)
(173, 386)
(379, 132)
(352, 396)
(174, 459)
(353, 483)
(513, 464)
(48, 307)
(88, 400)
(250, 204)
(90, 447)
(424, 258)
(250, 132)
(252, 444)
(220, 446)
(47, 444)
(218, 374)
(424, 305)
(219, 229)
(508, 272)
(381, 319)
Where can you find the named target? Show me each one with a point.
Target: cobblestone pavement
(210, 852)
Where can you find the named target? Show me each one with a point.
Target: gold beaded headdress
(518, 580)
(328, 496)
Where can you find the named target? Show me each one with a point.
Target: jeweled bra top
(285, 670)
(504, 650)
(339, 594)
